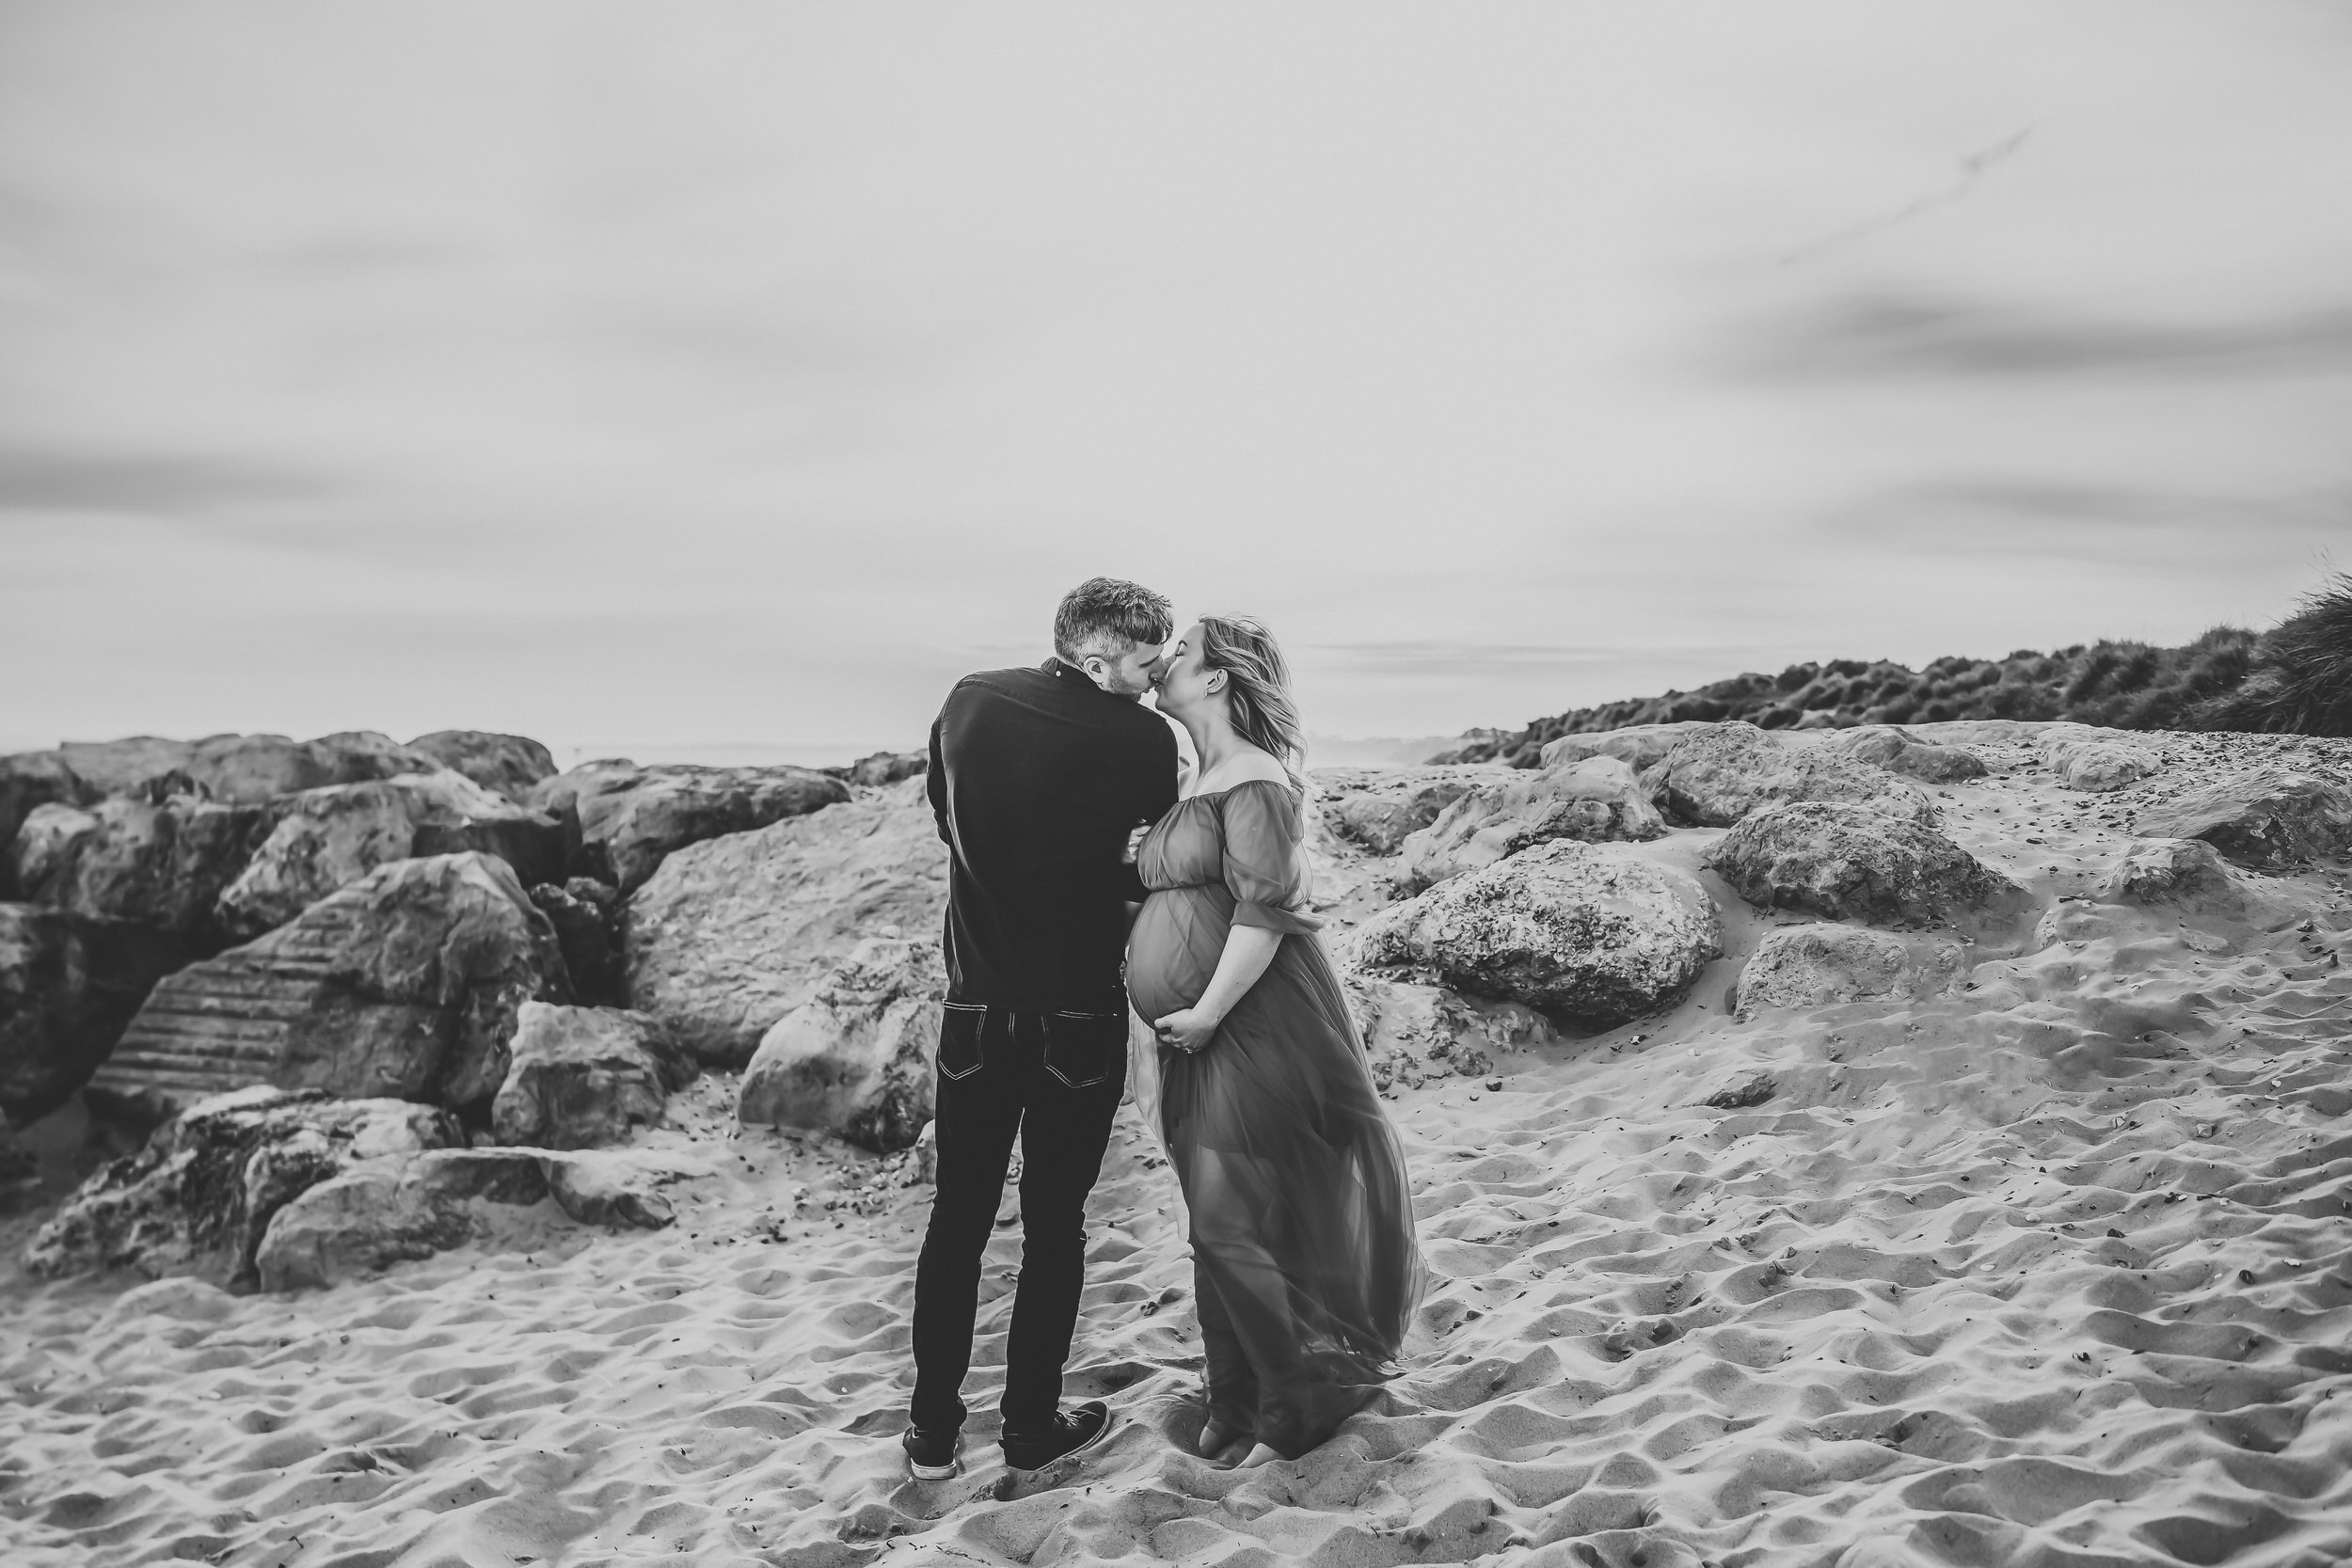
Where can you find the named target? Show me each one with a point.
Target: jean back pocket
(961, 1025)
(1085, 1049)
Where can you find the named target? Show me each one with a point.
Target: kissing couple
(1306, 1273)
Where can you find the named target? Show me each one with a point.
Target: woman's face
(1188, 681)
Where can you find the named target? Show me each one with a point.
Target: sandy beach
(2053, 1269)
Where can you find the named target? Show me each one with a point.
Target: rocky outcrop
(586, 914)
(1899, 750)
(1807, 966)
(404, 984)
(69, 985)
(619, 1188)
(1596, 800)
(508, 766)
(1639, 746)
(888, 768)
(1849, 861)
(582, 1077)
(120, 766)
(855, 1058)
(631, 817)
(27, 781)
(1717, 775)
(157, 859)
(1378, 807)
(2189, 875)
(199, 1199)
(392, 1210)
(2270, 819)
(731, 935)
(2092, 760)
(1594, 931)
(328, 838)
(1414, 1033)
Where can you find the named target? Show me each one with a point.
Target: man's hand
(1188, 1029)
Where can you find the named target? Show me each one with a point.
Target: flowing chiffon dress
(1304, 1259)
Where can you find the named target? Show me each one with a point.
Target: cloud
(1893, 334)
(163, 483)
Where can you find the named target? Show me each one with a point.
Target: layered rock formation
(631, 817)
(1596, 800)
(855, 1058)
(1716, 775)
(67, 987)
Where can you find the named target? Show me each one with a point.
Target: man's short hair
(1101, 613)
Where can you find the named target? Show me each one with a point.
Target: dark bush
(2309, 657)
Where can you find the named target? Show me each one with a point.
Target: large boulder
(328, 838)
(1596, 800)
(248, 769)
(631, 817)
(1638, 746)
(1805, 966)
(1413, 1033)
(159, 858)
(582, 1077)
(617, 1187)
(855, 1058)
(732, 934)
(1899, 750)
(391, 1209)
(404, 984)
(1849, 861)
(1716, 775)
(1591, 931)
(67, 987)
(200, 1197)
(888, 768)
(120, 766)
(511, 765)
(27, 781)
(587, 915)
(1378, 807)
(2272, 818)
(2188, 874)
(2092, 760)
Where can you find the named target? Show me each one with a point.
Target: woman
(1304, 1263)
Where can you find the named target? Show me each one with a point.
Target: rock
(69, 985)
(2188, 874)
(2093, 760)
(155, 859)
(855, 1058)
(1807, 966)
(1897, 750)
(581, 1077)
(392, 1210)
(630, 817)
(731, 935)
(119, 767)
(1638, 746)
(511, 765)
(923, 1169)
(1596, 800)
(612, 1188)
(249, 769)
(1377, 807)
(198, 1199)
(1848, 861)
(1591, 931)
(1413, 1033)
(888, 768)
(1750, 1091)
(586, 915)
(328, 838)
(27, 781)
(407, 983)
(2272, 818)
(1717, 774)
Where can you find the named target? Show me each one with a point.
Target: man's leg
(976, 1119)
(1062, 1139)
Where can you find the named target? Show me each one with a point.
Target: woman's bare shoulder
(1251, 767)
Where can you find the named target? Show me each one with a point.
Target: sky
(695, 376)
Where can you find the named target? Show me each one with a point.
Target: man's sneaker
(931, 1455)
(1070, 1432)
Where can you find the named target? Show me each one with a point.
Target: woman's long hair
(1257, 688)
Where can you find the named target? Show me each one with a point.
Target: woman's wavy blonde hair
(1257, 688)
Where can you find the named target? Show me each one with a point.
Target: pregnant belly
(1173, 950)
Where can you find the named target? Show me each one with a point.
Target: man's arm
(936, 780)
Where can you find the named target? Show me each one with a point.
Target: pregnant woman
(1304, 1260)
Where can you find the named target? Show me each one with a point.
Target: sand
(2055, 1271)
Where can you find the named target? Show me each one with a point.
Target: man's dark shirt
(1038, 776)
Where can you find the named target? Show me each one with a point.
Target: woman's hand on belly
(1188, 1029)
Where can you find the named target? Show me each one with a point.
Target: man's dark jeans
(1054, 1078)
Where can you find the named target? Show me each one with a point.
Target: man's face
(1128, 672)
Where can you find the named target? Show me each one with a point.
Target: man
(1039, 778)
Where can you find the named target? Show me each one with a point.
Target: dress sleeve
(1266, 861)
